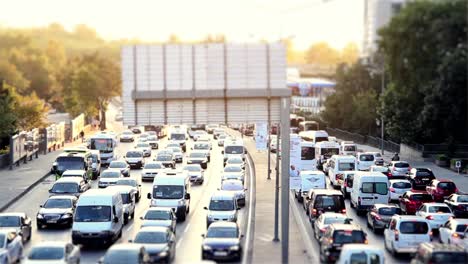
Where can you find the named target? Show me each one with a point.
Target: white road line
(178, 243)
(186, 228)
(129, 227)
(249, 217)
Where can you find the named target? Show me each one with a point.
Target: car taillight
(389, 174)
(455, 235)
(397, 235)
(343, 211)
(323, 230)
(314, 211)
(430, 217)
(345, 184)
(376, 216)
(392, 190)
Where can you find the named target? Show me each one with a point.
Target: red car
(410, 201)
(441, 189)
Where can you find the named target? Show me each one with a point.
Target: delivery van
(310, 179)
(369, 188)
(337, 165)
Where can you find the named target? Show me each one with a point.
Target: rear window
(401, 185)
(449, 257)
(389, 211)
(349, 180)
(462, 199)
(366, 157)
(425, 174)
(375, 187)
(461, 228)
(414, 227)
(325, 201)
(401, 165)
(346, 166)
(446, 186)
(349, 148)
(439, 209)
(348, 236)
(421, 197)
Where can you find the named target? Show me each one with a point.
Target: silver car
(145, 147)
(222, 207)
(151, 170)
(11, 246)
(326, 219)
(54, 252)
(159, 216)
(237, 188)
(399, 168)
(195, 173)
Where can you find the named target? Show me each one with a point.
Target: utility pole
(285, 108)
(278, 136)
(269, 152)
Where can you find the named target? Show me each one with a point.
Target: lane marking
(179, 242)
(186, 228)
(248, 250)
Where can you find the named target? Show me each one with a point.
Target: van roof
(361, 248)
(371, 174)
(73, 154)
(327, 192)
(170, 180)
(70, 179)
(312, 172)
(343, 157)
(222, 195)
(121, 188)
(98, 197)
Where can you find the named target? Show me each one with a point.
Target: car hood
(164, 223)
(150, 171)
(196, 159)
(55, 210)
(154, 248)
(220, 242)
(129, 160)
(221, 214)
(108, 180)
(30, 261)
(143, 148)
(126, 136)
(195, 174)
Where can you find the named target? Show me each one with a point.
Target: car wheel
(125, 219)
(133, 215)
(39, 226)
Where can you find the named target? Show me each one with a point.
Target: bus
(295, 120)
(106, 143)
(308, 126)
(73, 161)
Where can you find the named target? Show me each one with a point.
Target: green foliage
(5, 150)
(30, 112)
(7, 115)
(426, 100)
(442, 157)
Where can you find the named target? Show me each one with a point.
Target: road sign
(458, 164)
(261, 135)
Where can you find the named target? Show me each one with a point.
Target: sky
(337, 22)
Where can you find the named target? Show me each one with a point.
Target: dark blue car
(222, 242)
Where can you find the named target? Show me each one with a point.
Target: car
(235, 160)
(11, 246)
(378, 159)
(326, 166)
(199, 133)
(379, 216)
(151, 170)
(210, 128)
(96, 163)
(69, 186)
(136, 130)
(324, 220)
(399, 169)
(431, 253)
(127, 194)
(205, 139)
(126, 253)
(223, 241)
(453, 231)
(109, 177)
(195, 173)
(178, 155)
(135, 158)
(217, 132)
(53, 252)
(405, 233)
(410, 201)
(459, 204)
(20, 222)
(122, 165)
(436, 213)
(198, 157)
(365, 160)
(57, 211)
(223, 207)
(397, 188)
(237, 188)
(136, 186)
(158, 241)
(420, 178)
(441, 189)
(382, 169)
(144, 147)
(221, 139)
(127, 136)
(203, 147)
(336, 236)
(359, 253)
(321, 201)
(166, 159)
(235, 169)
(172, 144)
(152, 140)
(159, 216)
(76, 173)
(347, 186)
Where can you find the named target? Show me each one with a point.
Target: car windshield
(222, 205)
(421, 197)
(348, 236)
(462, 199)
(193, 168)
(92, 213)
(235, 161)
(177, 137)
(164, 158)
(328, 152)
(375, 187)
(65, 187)
(232, 169)
(121, 257)
(389, 211)
(401, 165)
(349, 148)
(151, 237)
(157, 215)
(127, 133)
(449, 257)
(58, 203)
(439, 209)
(366, 157)
(359, 258)
(197, 155)
(153, 166)
(424, 174)
(134, 154)
(176, 150)
(110, 174)
(461, 228)
(229, 186)
(125, 182)
(152, 138)
(46, 253)
(168, 192)
(102, 144)
(447, 186)
(334, 220)
(401, 185)
(10, 221)
(222, 232)
(234, 150)
(201, 146)
(125, 198)
(117, 165)
(414, 227)
(325, 201)
(94, 158)
(346, 166)
(143, 145)
(70, 163)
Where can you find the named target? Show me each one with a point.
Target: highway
(188, 233)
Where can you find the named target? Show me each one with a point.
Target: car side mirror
(187, 196)
(50, 190)
(40, 206)
(222, 151)
(130, 241)
(139, 185)
(242, 236)
(245, 189)
(238, 208)
(203, 235)
(149, 196)
(116, 219)
(206, 208)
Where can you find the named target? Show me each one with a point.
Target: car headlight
(205, 247)
(67, 215)
(234, 248)
(40, 216)
(163, 253)
(181, 202)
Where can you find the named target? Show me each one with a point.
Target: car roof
(118, 160)
(232, 182)
(48, 244)
(55, 197)
(222, 195)
(18, 214)
(398, 180)
(416, 192)
(345, 226)
(156, 208)
(436, 204)
(327, 192)
(443, 247)
(410, 218)
(111, 170)
(360, 247)
(74, 172)
(159, 229)
(70, 179)
(125, 247)
(224, 224)
(378, 206)
(332, 214)
(121, 188)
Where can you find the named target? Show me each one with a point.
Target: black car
(222, 242)
(420, 178)
(198, 157)
(459, 205)
(336, 236)
(379, 216)
(57, 211)
(158, 241)
(322, 201)
(436, 253)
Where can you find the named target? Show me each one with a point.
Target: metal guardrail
(365, 140)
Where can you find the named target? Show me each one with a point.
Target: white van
(348, 148)
(325, 150)
(369, 188)
(172, 191)
(128, 194)
(337, 165)
(365, 160)
(310, 179)
(98, 217)
(234, 148)
(314, 136)
(359, 253)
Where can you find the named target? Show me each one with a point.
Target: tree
(349, 54)
(30, 112)
(322, 54)
(11, 75)
(426, 98)
(7, 114)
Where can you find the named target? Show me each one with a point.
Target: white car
(135, 158)
(159, 216)
(235, 160)
(54, 253)
(203, 147)
(405, 233)
(109, 177)
(453, 232)
(397, 188)
(221, 139)
(235, 170)
(199, 133)
(436, 213)
(365, 160)
(151, 170)
(324, 220)
(145, 147)
(237, 188)
(359, 253)
(153, 141)
(127, 136)
(195, 173)
(11, 246)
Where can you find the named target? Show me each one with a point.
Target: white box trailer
(202, 83)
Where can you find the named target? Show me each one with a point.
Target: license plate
(52, 221)
(220, 253)
(425, 179)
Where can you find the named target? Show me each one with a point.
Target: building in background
(377, 14)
